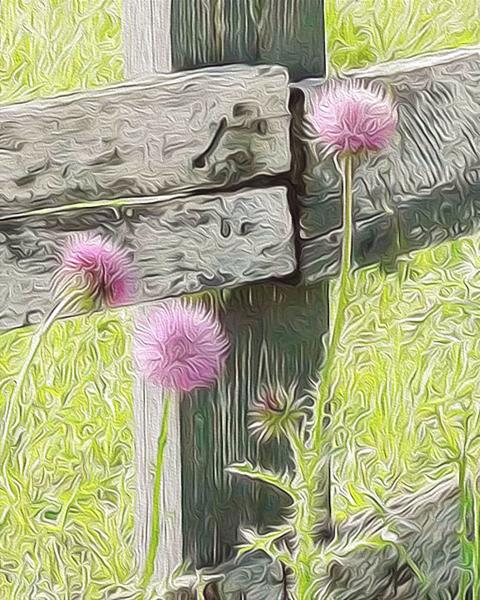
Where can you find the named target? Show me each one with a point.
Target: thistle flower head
(352, 116)
(104, 268)
(274, 413)
(180, 347)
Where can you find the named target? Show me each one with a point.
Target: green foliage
(280, 482)
(267, 542)
(71, 472)
(410, 354)
(364, 32)
(51, 46)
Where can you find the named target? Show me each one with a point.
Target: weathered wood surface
(146, 32)
(276, 336)
(427, 527)
(179, 246)
(426, 184)
(161, 35)
(206, 32)
(205, 129)
(292, 33)
(147, 410)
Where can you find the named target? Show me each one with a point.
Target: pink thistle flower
(181, 347)
(105, 268)
(352, 116)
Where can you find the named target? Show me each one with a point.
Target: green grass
(53, 46)
(68, 526)
(68, 531)
(411, 353)
(364, 32)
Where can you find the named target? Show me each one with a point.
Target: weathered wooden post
(171, 35)
(276, 329)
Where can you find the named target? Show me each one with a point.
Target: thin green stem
(321, 440)
(464, 519)
(156, 500)
(44, 327)
(304, 517)
(476, 540)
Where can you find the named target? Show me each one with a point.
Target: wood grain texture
(206, 32)
(427, 526)
(292, 33)
(179, 246)
(148, 402)
(276, 337)
(146, 30)
(286, 32)
(427, 182)
(205, 129)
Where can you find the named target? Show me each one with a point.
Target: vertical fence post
(165, 35)
(276, 330)
(146, 37)
(148, 402)
(276, 335)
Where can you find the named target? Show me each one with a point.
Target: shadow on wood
(276, 333)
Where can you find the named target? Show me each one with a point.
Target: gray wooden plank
(205, 129)
(180, 246)
(428, 179)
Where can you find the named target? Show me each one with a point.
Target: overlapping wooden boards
(180, 245)
(212, 128)
(424, 188)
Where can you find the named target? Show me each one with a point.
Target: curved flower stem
(476, 538)
(44, 327)
(321, 441)
(155, 525)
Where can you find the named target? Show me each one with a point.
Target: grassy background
(362, 32)
(67, 530)
(410, 360)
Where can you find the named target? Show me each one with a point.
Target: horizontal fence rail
(206, 129)
(423, 189)
(179, 246)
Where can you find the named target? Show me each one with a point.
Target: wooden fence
(212, 179)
